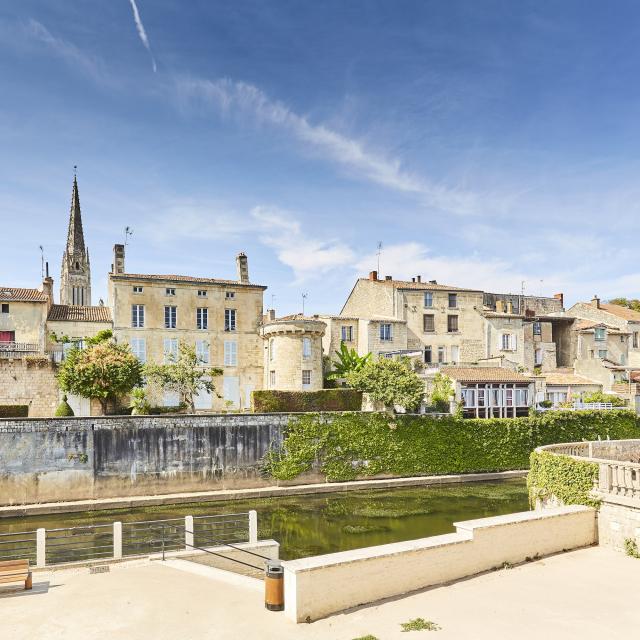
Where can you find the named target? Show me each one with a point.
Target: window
(272, 379)
(428, 356)
(621, 338)
(139, 349)
(137, 316)
(272, 349)
(202, 351)
(229, 319)
(170, 291)
(170, 316)
(230, 295)
(452, 324)
(635, 339)
(522, 397)
(137, 289)
(428, 323)
(508, 394)
(537, 329)
(469, 397)
(230, 353)
(482, 397)
(306, 378)
(453, 301)
(600, 333)
(170, 348)
(202, 318)
(385, 332)
(602, 354)
(441, 355)
(428, 299)
(202, 293)
(306, 347)
(347, 334)
(455, 354)
(508, 342)
(77, 296)
(5, 307)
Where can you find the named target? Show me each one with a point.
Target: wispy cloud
(230, 96)
(142, 33)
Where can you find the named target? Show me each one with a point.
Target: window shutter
(514, 344)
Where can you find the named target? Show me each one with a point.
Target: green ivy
(569, 480)
(269, 401)
(351, 445)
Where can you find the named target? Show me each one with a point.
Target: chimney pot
(413, 279)
(419, 278)
(373, 275)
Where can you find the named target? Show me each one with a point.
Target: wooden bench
(16, 571)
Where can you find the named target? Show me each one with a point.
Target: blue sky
(485, 143)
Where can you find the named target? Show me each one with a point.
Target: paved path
(582, 595)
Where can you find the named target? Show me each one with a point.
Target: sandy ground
(591, 593)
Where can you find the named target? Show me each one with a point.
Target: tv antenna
(128, 232)
(41, 261)
(304, 297)
(378, 253)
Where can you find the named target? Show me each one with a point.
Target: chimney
(509, 306)
(433, 282)
(47, 285)
(560, 296)
(271, 314)
(499, 306)
(596, 302)
(242, 264)
(418, 278)
(388, 277)
(118, 259)
(413, 279)
(373, 275)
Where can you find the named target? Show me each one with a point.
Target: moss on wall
(269, 401)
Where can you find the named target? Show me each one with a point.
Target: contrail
(142, 33)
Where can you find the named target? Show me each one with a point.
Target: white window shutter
(500, 342)
(514, 345)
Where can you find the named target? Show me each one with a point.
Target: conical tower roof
(75, 235)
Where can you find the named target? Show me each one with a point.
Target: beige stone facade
(293, 353)
(154, 313)
(29, 380)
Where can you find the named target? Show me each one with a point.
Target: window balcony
(18, 349)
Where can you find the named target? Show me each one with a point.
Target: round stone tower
(293, 353)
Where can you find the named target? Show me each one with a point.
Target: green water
(315, 524)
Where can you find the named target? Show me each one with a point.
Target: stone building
(293, 352)
(154, 313)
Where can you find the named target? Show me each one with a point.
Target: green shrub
(598, 396)
(63, 410)
(569, 480)
(154, 411)
(14, 411)
(347, 446)
(267, 401)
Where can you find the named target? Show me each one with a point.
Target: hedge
(562, 477)
(267, 401)
(14, 411)
(347, 446)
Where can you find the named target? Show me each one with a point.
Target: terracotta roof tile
(621, 312)
(186, 279)
(484, 374)
(422, 286)
(586, 325)
(566, 378)
(68, 313)
(13, 294)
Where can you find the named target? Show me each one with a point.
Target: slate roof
(68, 313)
(16, 294)
(186, 279)
(484, 374)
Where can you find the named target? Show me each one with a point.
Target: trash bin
(274, 586)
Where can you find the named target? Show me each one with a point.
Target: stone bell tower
(75, 277)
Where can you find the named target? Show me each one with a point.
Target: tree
(348, 361)
(631, 303)
(104, 370)
(442, 392)
(187, 376)
(389, 381)
(599, 396)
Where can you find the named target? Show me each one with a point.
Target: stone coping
(549, 448)
(130, 502)
(465, 532)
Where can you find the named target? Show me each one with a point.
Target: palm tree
(348, 361)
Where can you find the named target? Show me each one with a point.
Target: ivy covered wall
(348, 446)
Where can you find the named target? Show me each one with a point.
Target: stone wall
(30, 380)
(86, 458)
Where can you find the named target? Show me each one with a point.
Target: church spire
(75, 277)
(75, 235)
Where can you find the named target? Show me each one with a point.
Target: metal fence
(117, 540)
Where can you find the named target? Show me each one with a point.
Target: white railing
(46, 547)
(17, 349)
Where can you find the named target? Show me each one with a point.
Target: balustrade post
(188, 533)
(117, 540)
(604, 478)
(41, 541)
(253, 527)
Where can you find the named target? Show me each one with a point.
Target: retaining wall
(49, 460)
(319, 586)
